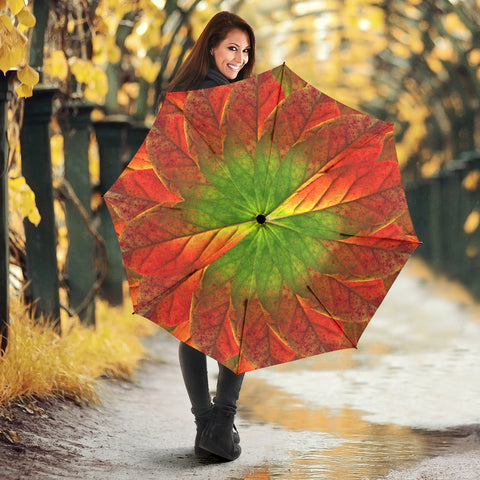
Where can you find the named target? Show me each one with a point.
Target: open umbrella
(262, 221)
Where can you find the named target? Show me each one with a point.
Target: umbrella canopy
(262, 221)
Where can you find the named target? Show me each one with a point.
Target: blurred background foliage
(413, 63)
(410, 62)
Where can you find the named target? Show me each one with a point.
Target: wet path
(409, 394)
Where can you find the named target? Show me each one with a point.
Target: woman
(224, 53)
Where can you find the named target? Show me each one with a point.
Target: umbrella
(262, 221)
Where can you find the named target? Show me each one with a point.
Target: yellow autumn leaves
(91, 73)
(22, 199)
(86, 72)
(15, 20)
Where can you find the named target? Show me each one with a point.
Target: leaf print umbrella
(262, 221)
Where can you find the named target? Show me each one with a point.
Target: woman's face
(231, 54)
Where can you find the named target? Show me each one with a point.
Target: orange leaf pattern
(262, 221)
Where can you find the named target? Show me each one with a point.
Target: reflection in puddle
(355, 415)
(367, 451)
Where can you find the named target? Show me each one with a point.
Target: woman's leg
(194, 370)
(228, 388)
(220, 436)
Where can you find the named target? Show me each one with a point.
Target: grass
(39, 363)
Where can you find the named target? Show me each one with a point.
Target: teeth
(233, 68)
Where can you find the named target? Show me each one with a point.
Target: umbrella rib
(331, 163)
(273, 133)
(272, 222)
(404, 241)
(171, 288)
(240, 341)
(225, 169)
(214, 232)
(340, 327)
(244, 319)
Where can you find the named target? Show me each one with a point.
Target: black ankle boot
(201, 421)
(219, 436)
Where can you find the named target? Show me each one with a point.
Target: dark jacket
(213, 79)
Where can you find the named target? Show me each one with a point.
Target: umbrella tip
(261, 218)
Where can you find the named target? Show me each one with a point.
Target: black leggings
(194, 370)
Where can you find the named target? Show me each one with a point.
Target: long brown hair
(194, 69)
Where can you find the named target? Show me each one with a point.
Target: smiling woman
(224, 52)
(231, 54)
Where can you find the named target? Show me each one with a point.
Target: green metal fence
(445, 210)
(94, 264)
(5, 93)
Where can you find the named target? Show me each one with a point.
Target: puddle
(366, 450)
(402, 397)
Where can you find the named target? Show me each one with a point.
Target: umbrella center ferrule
(261, 219)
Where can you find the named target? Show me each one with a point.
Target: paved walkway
(144, 431)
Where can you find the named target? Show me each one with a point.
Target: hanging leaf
(97, 86)
(24, 90)
(472, 222)
(82, 69)
(28, 75)
(105, 49)
(26, 18)
(6, 22)
(148, 70)
(56, 65)
(15, 5)
(6, 60)
(10, 57)
(22, 199)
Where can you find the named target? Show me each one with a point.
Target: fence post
(111, 136)
(5, 93)
(452, 229)
(41, 240)
(75, 122)
(471, 204)
(417, 193)
(437, 216)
